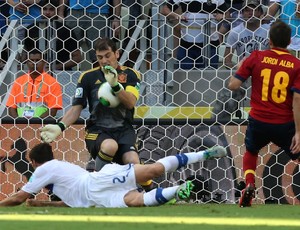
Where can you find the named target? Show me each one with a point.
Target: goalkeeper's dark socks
(101, 160)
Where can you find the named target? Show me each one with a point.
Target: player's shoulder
(91, 72)
(49, 165)
(130, 71)
(257, 53)
(94, 72)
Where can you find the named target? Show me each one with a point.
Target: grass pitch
(180, 216)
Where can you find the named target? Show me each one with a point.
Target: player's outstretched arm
(50, 132)
(45, 203)
(16, 199)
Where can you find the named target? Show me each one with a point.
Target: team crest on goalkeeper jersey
(122, 78)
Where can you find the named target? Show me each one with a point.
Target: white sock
(159, 196)
(195, 157)
(172, 163)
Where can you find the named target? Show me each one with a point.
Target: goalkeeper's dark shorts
(259, 134)
(125, 137)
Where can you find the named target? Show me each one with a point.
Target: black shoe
(247, 195)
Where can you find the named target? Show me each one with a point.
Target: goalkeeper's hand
(50, 132)
(110, 75)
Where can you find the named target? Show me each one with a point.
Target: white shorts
(108, 187)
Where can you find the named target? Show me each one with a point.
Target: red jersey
(275, 76)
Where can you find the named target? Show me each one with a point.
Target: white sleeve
(39, 179)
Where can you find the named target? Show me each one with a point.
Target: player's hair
(41, 153)
(105, 44)
(280, 34)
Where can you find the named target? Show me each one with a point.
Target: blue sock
(159, 196)
(182, 160)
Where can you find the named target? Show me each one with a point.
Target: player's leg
(283, 136)
(128, 152)
(158, 196)
(108, 149)
(91, 165)
(102, 148)
(130, 156)
(257, 136)
(168, 164)
(172, 163)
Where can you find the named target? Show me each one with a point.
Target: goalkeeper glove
(50, 132)
(111, 77)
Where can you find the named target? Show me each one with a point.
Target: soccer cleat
(171, 202)
(247, 195)
(215, 152)
(184, 191)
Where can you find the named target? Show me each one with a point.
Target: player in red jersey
(275, 102)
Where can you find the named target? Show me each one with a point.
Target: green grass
(173, 217)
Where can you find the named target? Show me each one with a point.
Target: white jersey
(77, 187)
(244, 41)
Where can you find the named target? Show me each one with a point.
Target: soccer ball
(107, 97)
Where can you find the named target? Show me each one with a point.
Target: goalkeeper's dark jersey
(102, 116)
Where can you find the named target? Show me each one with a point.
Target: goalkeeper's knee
(102, 159)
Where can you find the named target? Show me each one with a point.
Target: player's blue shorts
(259, 134)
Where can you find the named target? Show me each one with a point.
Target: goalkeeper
(113, 186)
(110, 136)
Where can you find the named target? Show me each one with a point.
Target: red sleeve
(246, 69)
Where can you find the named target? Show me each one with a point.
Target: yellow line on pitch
(154, 219)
